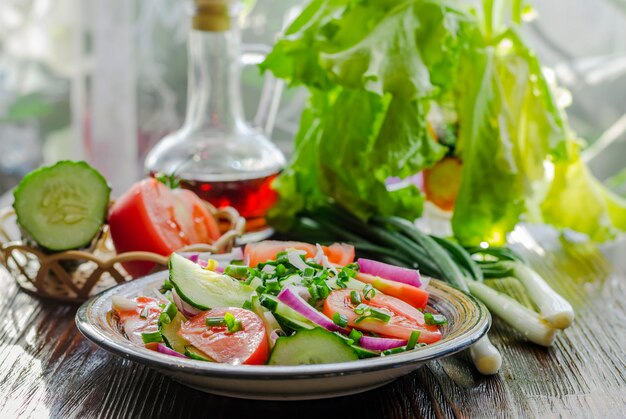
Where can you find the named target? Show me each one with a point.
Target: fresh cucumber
(289, 323)
(285, 315)
(364, 353)
(195, 353)
(170, 334)
(204, 289)
(315, 346)
(63, 206)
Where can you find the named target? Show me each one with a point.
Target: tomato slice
(338, 253)
(405, 318)
(153, 218)
(246, 346)
(417, 297)
(134, 324)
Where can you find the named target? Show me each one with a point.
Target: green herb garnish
(413, 340)
(340, 320)
(215, 321)
(152, 337)
(435, 319)
(232, 323)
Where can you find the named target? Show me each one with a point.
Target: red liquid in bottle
(251, 197)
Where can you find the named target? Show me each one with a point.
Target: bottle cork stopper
(212, 15)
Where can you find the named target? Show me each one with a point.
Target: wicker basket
(76, 275)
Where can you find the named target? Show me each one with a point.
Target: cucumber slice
(364, 353)
(170, 334)
(205, 289)
(62, 206)
(316, 346)
(292, 324)
(195, 353)
(287, 316)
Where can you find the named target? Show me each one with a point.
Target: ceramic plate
(468, 320)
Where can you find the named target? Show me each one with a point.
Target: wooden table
(47, 369)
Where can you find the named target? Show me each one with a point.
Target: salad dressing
(216, 153)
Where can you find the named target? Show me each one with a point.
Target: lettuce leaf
(366, 121)
(510, 126)
(374, 69)
(490, 199)
(578, 201)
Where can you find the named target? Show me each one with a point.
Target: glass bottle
(216, 153)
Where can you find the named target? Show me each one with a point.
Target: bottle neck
(214, 93)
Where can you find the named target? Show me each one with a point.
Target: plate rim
(124, 348)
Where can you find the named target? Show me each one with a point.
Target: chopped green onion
(360, 319)
(167, 285)
(355, 297)
(413, 340)
(394, 350)
(280, 270)
(353, 266)
(215, 321)
(355, 335)
(340, 320)
(361, 309)
(349, 273)
(369, 292)
(238, 272)
(380, 314)
(308, 272)
(314, 293)
(152, 337)
(232, 323)
(323, 291)
(170, 310)
(435, 319)
(272, 285)
(164, 318)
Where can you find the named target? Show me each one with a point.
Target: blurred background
(104, 80)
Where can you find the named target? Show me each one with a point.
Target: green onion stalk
(397, 241)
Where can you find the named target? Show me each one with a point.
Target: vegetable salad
(285, 303)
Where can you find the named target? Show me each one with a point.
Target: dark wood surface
(47, 369)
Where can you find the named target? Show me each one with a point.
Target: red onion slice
(390, 272)
(380, 344)
(297, 303)
(161, 348)
(187, 310)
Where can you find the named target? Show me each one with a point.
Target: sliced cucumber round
(195, 353)
(62, 206)
(205, 289)
(171, 336)
(315, 346)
